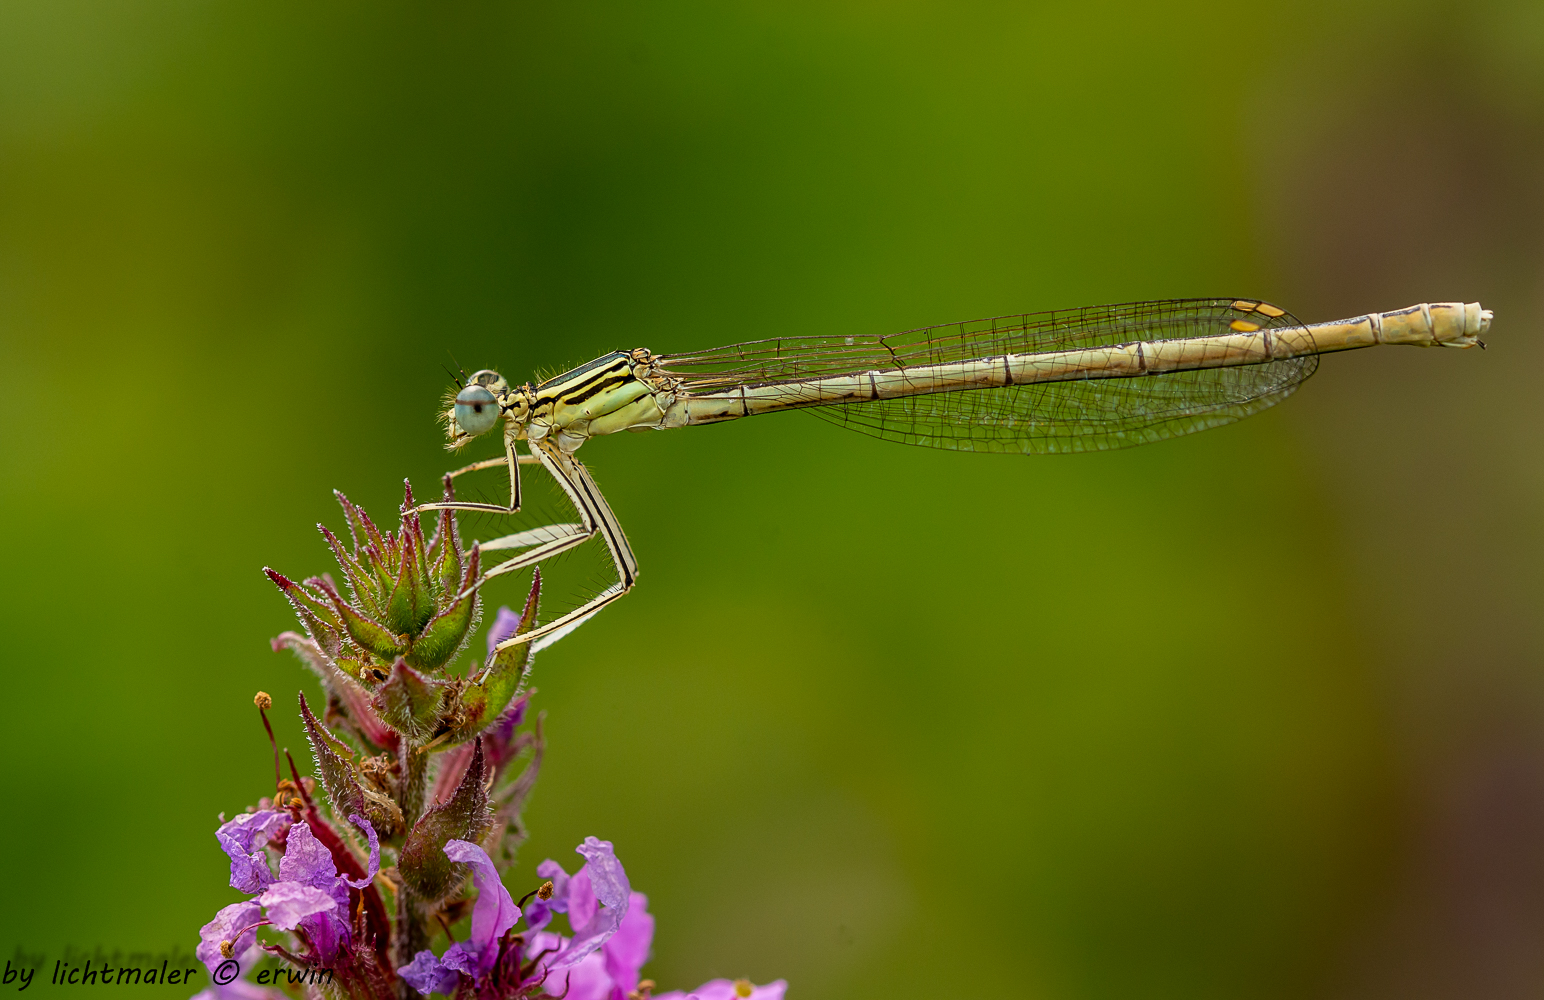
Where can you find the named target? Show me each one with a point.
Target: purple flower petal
(582, 904)
(494, 912)
(504, 625)
(224, 927)
(545, 941)
(611, 887)
(724, 989)
(307, 860)
(240, 989)
(375, 852)
(460, 957)
(252, 831)
(587, 980)
(288, 903)
(249, 872)
(426, 975)
(537, 914)
(628, 949)
(327, 930)
(239, 837)
(606, 873)
(550, 869)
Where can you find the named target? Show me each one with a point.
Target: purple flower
(249, 866)
(288, 903)
(494, 913)
(236, 923)
(628, 949)
(309, 894)
(610, 944)
(600, 880)
(426, 975)
(730, 989)
(610, 972)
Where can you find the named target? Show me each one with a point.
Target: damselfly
(1071, 380)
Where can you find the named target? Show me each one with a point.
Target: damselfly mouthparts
(1070, 380)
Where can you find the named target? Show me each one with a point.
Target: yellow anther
(545, 892)
(263, 700)
(743, 988)
(227, 949)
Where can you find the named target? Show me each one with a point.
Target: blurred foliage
(884, 721)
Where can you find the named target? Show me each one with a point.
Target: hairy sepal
(320, 621)
(410, 702)
(447, 630)
(367, 633)
(346, 792)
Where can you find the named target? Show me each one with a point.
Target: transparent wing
(1085, 415)
(1078, 415)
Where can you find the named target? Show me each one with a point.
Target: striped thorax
(602, 397)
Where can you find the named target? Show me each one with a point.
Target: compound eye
(476, 410)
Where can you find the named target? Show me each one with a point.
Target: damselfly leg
(597, 518)
(543, 543)
(550, 540)
(512, 458)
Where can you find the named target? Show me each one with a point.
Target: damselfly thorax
(1086, 379)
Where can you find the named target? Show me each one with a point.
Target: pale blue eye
(476, 410)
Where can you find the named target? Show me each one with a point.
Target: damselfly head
(476, 408)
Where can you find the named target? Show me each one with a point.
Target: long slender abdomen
(1442, 324)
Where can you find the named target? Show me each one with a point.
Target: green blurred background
(1255, 713)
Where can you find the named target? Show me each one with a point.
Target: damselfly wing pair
(1086, 379)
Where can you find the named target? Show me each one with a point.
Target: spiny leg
(598, 518)
(544, 542)
(550, 540)
(512, 459)
(493, 463)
